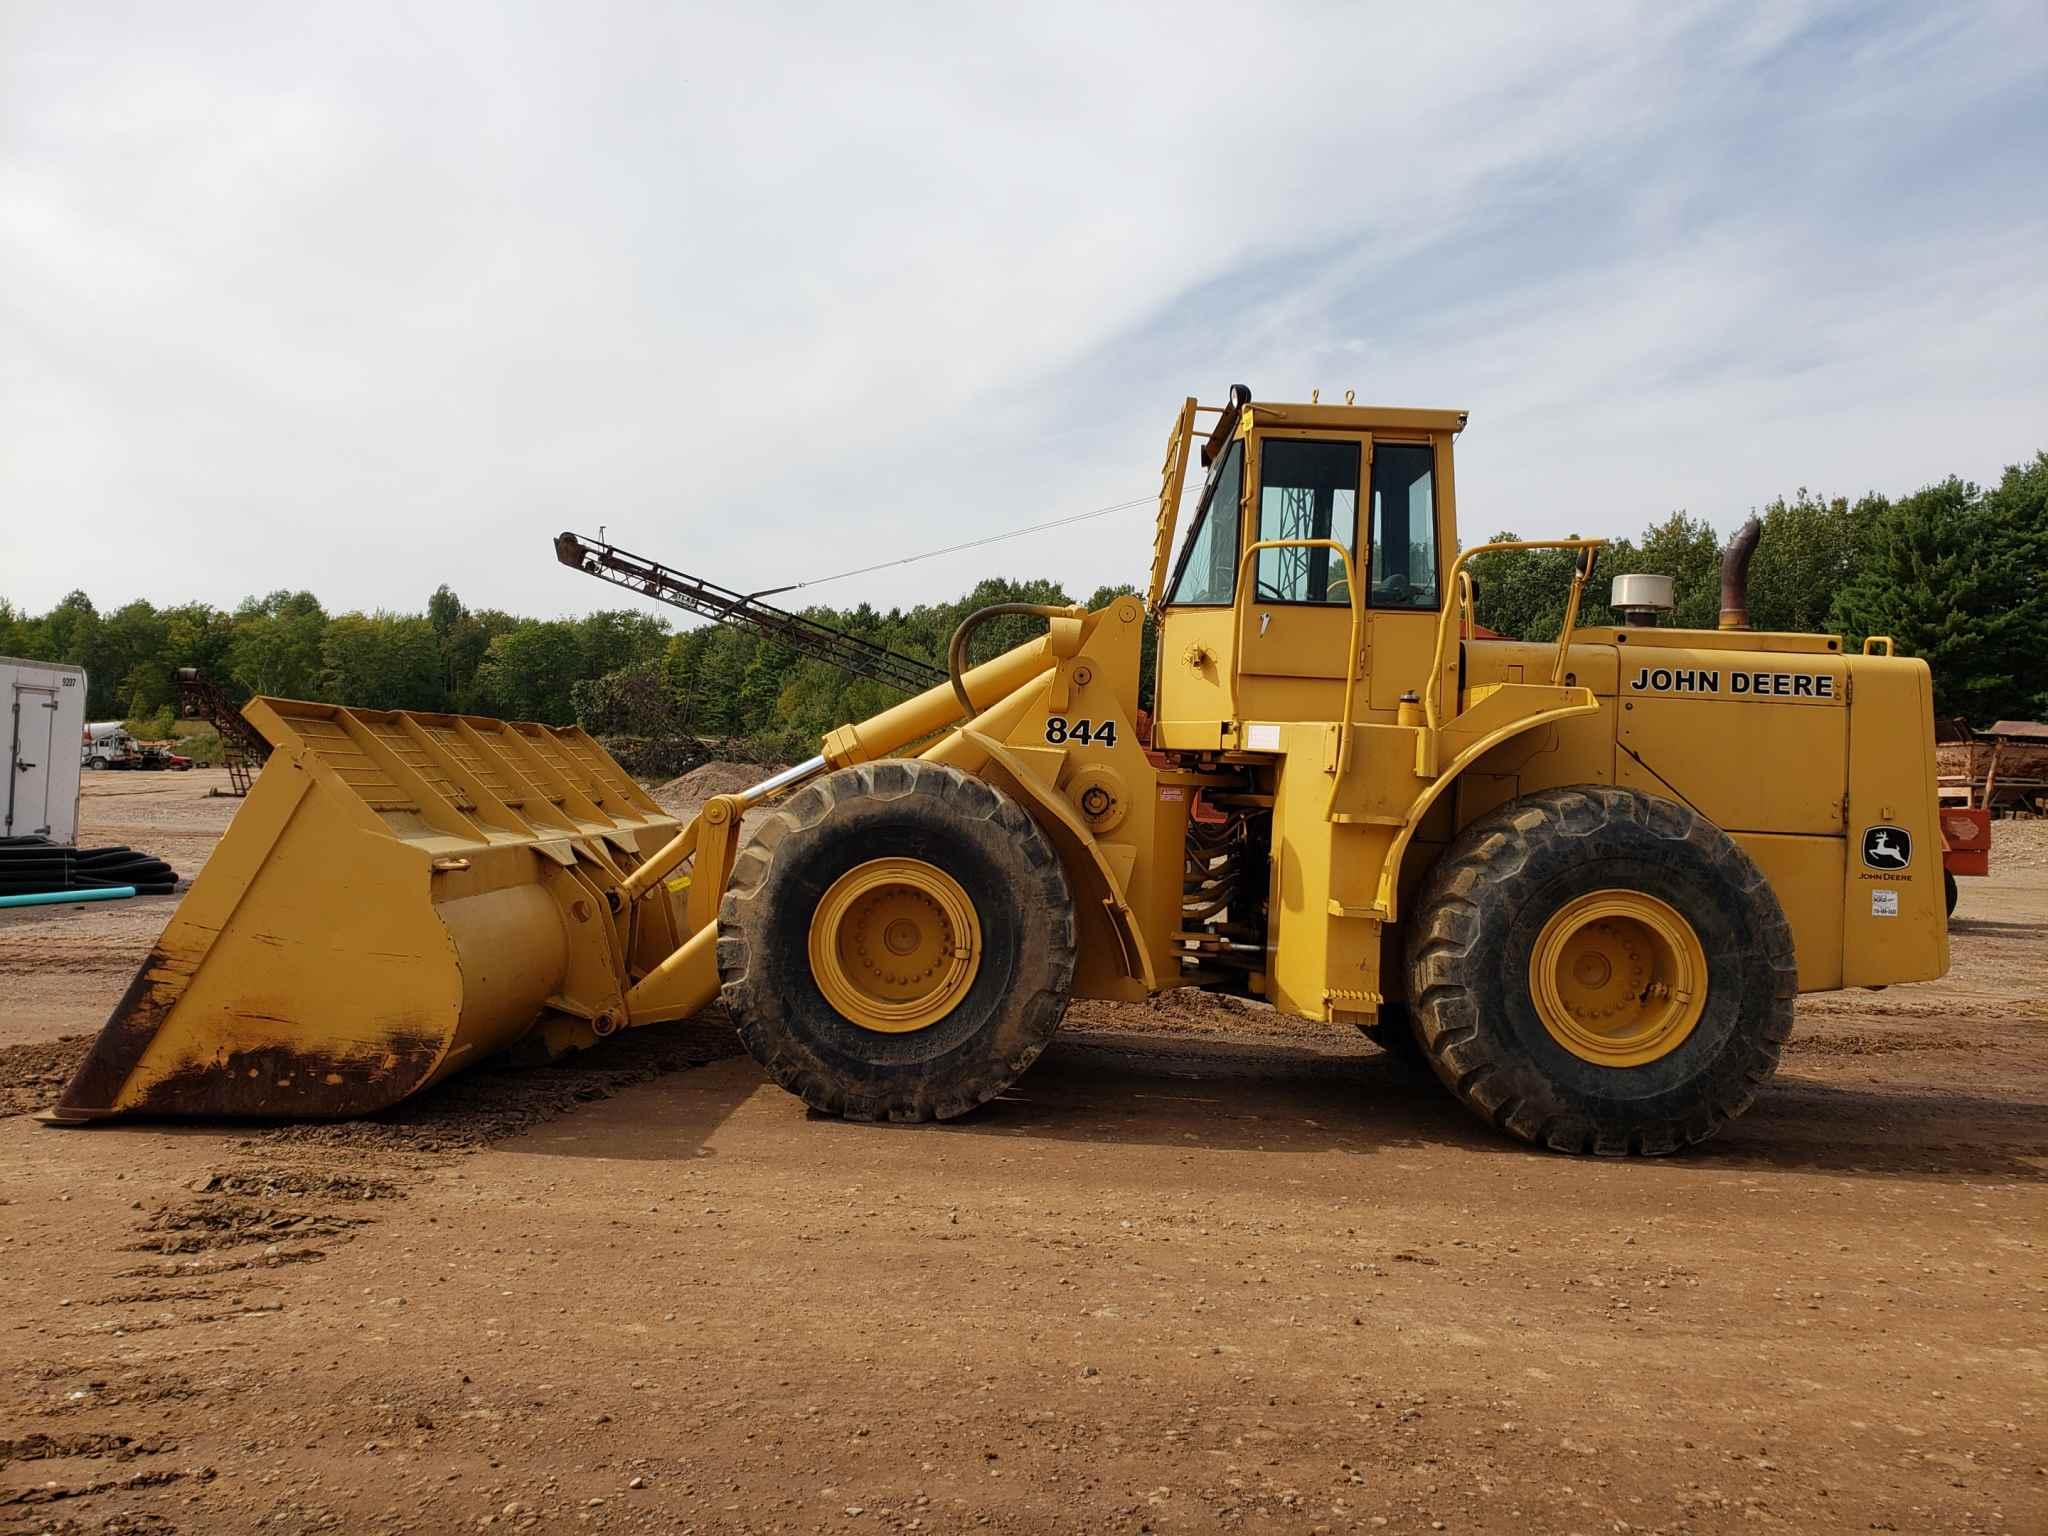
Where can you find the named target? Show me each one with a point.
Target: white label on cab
(1262, 738)
(1884, 903)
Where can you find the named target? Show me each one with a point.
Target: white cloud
(365, 300)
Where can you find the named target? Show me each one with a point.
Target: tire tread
(761, 1010)
(1462, 903)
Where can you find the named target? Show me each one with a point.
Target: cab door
(1295, 619)
(1409, 492)
(1382, 497)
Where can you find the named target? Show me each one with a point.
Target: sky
(366, 298)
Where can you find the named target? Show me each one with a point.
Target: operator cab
(1343, 494)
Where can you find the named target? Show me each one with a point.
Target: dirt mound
(687, 791)
(31, 1076)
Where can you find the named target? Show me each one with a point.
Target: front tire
(1600, 970)
(897, 942)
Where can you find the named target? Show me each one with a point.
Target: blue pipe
(59, 898)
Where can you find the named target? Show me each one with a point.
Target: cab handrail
(1581, 573)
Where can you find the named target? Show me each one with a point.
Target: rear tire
(1948, 891)
(796, 932)
(1715, 1005)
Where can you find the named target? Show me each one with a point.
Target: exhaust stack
(1735, 575)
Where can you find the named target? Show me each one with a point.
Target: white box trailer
(45, 722)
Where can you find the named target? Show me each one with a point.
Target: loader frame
(1264, 828)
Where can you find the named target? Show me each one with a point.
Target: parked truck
(107, 744)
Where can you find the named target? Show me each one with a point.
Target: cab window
(1403, 526)
(1208, 565)
(1307, 490)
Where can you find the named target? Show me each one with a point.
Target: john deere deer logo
(1887, 847)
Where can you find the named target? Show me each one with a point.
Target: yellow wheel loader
(1584, 880)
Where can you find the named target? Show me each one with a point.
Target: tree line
(615, 672)
(1953, 572)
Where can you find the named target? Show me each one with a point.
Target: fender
(1506, 699)
(1086, 865)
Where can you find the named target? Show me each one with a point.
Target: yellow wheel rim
(895, 945)
(1619, 978)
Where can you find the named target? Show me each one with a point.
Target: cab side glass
(1308, 489)
(1208, 567)
(1403, 526)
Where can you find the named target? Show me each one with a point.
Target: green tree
(383, 661)
(14, 629)
(1810, 549)
(444, 610)
(2019, 505)
(1522, 592)
(276, 649)
(129, 652)
(619, 639)
(761, 686)
(714, 682)
(154, 726)
(200, 635)
(463, 650)
(1954, 577)
(527, 673)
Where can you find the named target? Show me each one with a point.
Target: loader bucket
(400, 896)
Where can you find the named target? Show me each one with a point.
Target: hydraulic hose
(956, 653)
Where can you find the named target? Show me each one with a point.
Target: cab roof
(1242, 413)
(1354, 418)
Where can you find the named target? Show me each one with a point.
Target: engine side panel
(1800, 753)
(1894, 921)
